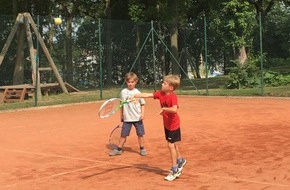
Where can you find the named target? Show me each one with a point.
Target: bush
(249, 76)
(244, 76)
(272, 78)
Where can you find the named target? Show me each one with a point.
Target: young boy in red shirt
(169, 105)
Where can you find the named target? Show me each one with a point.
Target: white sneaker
(143, 152)
(172, 175)
(115, 152)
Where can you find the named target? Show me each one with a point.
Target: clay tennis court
(229, 143)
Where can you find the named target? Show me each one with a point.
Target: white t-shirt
(132, 110)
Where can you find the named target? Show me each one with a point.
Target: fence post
(205, 55)
(153, 54)
(100, 60)
(261, 55)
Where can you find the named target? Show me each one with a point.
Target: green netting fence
(97, 54)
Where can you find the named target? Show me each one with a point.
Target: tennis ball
(57, 21)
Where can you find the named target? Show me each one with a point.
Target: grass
(215, 88)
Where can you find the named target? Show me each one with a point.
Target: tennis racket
(111, 106)
(115, 136)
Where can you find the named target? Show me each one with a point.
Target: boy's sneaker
(115, 152)
(143, 152)
(181, 164)
(173, 175)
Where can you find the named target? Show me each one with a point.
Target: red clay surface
(229, 143)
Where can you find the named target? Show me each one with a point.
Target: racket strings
(115, 137)
(109, 108)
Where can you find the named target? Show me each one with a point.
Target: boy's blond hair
(173, 80)
(131, 75)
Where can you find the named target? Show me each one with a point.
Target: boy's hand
(142, 116)
(132, 99)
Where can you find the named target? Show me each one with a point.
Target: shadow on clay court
(139, 167)
(106, 171)
(125, 148)
(156, 170)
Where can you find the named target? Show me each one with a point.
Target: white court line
(141, 167)
(36, 130)
(16, 127)
(54, 155)
(55, 175)
(243, 180)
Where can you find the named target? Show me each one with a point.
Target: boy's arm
(142, 111)
(121, 114)
(172, 109)
(143, 95)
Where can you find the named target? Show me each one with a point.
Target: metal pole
(153, 53)
(100, 60)
(261, 55)
(205, 55)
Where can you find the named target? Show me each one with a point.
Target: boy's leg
(174, 171)
(140, 133)
(118, 150)
(173, 153)
(173, 137)
(122, 141)
(126, 128)
(141, 141)
(180, 161)
(143, 151)
(177, 150)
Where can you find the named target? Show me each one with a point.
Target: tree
(263, 7)
(230, 30)
(70, 10)
(276, 32)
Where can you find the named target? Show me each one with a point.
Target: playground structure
(19, 92)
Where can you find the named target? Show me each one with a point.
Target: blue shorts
(126, 128)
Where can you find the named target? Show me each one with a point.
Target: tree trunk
(182, 57)
(138, 62)
(108, 49)
(163, 52)
(164, 66)
(242, 55)
(174, 50)
(18, 76)
(51, 35)
(68, 51)
(174, 38)
(15, 8)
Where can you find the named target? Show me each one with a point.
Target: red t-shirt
(171, 121)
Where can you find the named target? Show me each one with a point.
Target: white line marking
(16, 127)
(243, 180)
(56, 175)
